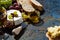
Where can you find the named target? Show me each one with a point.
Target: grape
(16, 7)
(5, 3)
(11, 7)
(15, 4)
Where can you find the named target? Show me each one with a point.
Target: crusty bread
(47, 35)
(21, 1)
(26, 5)
(28, 8)
(36, 5)
(53, 33)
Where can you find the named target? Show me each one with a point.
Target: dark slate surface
(51, 17)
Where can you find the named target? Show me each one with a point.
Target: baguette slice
(21, 1)
(47, 35)
(26, 5)
(28, 8)
(36, 5)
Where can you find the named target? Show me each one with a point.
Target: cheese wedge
(17, 30)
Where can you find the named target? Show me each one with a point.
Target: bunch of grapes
(16, 6)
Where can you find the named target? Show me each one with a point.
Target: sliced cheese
(17, 30)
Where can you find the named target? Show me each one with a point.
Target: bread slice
(47, 35)
(36, 5)
(20, 1)
(28, 8)
(53, 33)
(26, 5)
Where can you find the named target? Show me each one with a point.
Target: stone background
(51, 17)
